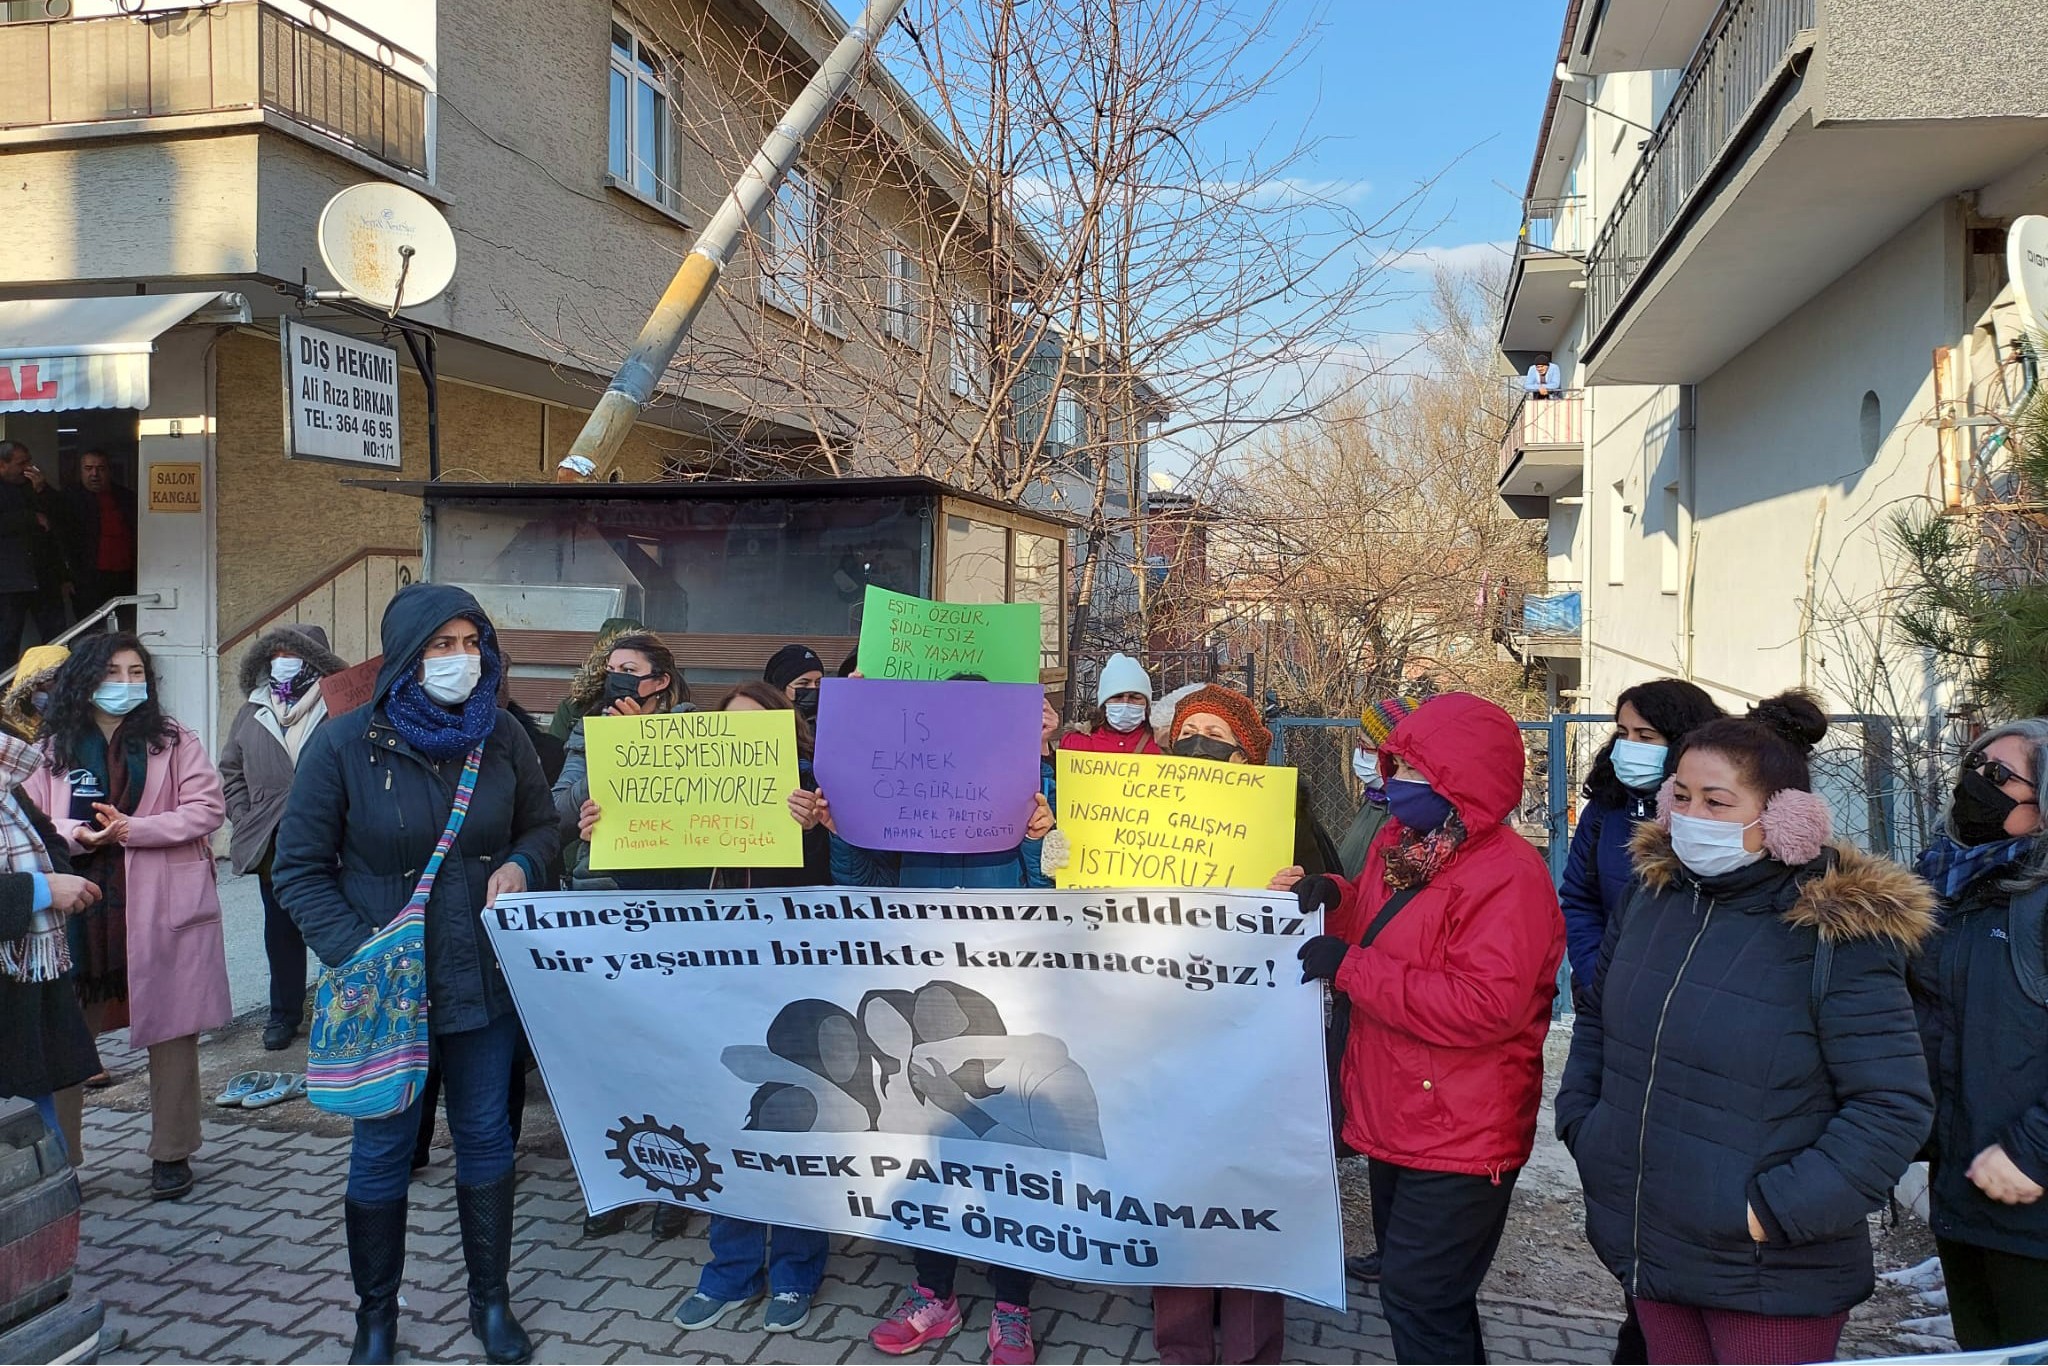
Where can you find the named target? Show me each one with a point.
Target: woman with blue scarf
(1981, 985)
(371, 799)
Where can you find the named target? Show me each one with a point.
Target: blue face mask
(1417, 805)
(118, 699)
(1638, 765)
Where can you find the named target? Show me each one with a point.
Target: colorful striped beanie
(1380, 718)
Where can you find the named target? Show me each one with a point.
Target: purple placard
(930, 767)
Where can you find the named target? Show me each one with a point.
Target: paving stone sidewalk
(251, 1268)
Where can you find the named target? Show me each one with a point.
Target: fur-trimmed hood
(287, 640)
(1857, 895)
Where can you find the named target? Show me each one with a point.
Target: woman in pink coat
(136, 799)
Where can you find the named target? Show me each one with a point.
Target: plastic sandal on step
(244, 1085)
(285, 1086)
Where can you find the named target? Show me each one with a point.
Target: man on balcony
(1544, 379)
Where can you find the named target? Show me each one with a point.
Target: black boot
(376, 1261)
(486, 1212)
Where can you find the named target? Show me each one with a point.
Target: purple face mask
(1417, 805)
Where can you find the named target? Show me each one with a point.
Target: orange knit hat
(1237, 711)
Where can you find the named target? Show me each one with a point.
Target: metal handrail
(1739, 63)
(86, 623)
(231, 55)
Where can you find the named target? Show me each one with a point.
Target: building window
(799, 256)
(643, 130)
(968, 353)
(1069, 425)
(1870, 426)
(902, 297)
(1617, 531)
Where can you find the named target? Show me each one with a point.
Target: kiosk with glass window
(727, 573)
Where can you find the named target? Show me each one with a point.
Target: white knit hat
(1165, 707)
(1122, 674)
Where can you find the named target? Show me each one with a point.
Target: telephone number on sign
(348, 424)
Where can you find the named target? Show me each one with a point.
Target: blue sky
(1403, 92)
(1406, 92)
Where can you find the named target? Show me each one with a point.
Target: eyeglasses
(1998, 771)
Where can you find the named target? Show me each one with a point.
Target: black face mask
(618, 685)
(1202, 747)
(806, 703)
(1980, 808)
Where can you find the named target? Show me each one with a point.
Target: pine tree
(1976, 592)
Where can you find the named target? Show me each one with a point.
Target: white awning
(90, 352)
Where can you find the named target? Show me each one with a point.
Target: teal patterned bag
(366, 1054)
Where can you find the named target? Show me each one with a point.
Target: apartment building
(1764, 240)
(164, 167)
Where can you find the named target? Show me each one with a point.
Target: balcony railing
(1544, 423)
(1738, 65)
(1556, 225)
(1549, 616)
(239, 54)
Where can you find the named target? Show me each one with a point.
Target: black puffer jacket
(367, 809)
(1982, 988)
(1702, 1081)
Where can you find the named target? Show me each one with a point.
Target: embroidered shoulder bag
(366, 1055)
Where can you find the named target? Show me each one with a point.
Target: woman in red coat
(1447, 949)
(1123, 709)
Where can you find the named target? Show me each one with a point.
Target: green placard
(699, 789)
(906, 637)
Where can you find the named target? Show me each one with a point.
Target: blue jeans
(46, 1106)
(476, 1078)
(738, 1247)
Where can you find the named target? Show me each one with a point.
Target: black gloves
(1318, 892)
(1322, 956)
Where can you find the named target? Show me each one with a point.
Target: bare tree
(1076, 276)
(1364, 547)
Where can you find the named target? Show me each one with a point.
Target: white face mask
(1125, 716)
(1637, 764)
(1710, 848)
(450, 679)
(284, 669)
(1365, 766)
(118, 699)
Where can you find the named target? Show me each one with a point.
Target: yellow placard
(176, 486)
(697, 789)
(1144, 820)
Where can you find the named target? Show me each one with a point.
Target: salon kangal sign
(1111, 1086)
(340, 398)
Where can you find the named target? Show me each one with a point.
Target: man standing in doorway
(25, 539)
(100, 537)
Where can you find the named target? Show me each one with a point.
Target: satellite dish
(2026, 264)
(386, 245)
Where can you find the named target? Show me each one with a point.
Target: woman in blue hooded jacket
(1649, 721)
(371, 799)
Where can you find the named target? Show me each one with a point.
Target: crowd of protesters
(1771, 1024)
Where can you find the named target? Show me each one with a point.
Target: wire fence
(1883, 777)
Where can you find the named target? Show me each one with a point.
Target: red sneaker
(1009, 1336)
(921, 1319)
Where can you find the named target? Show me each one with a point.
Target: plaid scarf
(1950, 867)
(1416, 858)
(41, 955)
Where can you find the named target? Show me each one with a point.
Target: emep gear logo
(663, 1156)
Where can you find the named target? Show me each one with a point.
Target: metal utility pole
(597, 445)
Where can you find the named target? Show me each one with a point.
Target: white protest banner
(1111, 1086)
